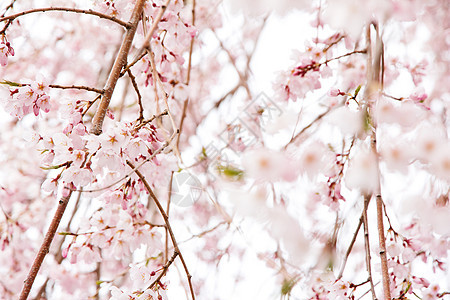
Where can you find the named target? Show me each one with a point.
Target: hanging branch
(166, 240)
(375, 89)
(367, 245)
(120, 62)
(168, 226)
(138, 93)
(349, 249)
(191, 47)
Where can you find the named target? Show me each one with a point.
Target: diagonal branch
(45, 247)
(120, 62)
(349, 249)
(168, 226)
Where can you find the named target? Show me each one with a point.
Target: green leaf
(231, 172)
(357, 91)
(10, 83)
(65, 233)
(287, 286)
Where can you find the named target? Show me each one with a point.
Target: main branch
(45, 247)
(119, 63)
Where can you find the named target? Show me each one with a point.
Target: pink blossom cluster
(5, 50)
(26, 98)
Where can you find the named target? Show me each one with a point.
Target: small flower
(5, 51)
(140, 276)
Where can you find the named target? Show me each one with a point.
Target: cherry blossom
(320, 175)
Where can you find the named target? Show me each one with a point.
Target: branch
(149, 35)
(383, 257)
(58, 256)
(56, 86)
(77, 87)
(168, 226)
(120, 62)
(375, 87)
(165, 268)
(307, 127)
(191, 46)
(242, 77)
(136, 89)
(67, 9)
(349, 249)
(28, 283)
(10, 6)
(367, 245)
(183, 116)
(166, 240)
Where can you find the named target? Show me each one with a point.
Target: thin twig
(307, 127)
(149, 35)
(367, 245)
(242, 77)
(67, 9)
(183, 116)
(77, 87)
(90, 104)
(10, 6)
(201, 234)
(136, 89)
(121, 106)
(191, 47)
(165, 268)
(166, 242)
(349, 249)
(127, 67)
(143, 123)
(168, 226)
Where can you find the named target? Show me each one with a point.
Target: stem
(119, 63)
(155, 23)
(383, 257)
(138, 93)
(28, 283)
(191, 46)
(67, 9)
(165, 268)
(367, 245)
(166, 242)
(148, 37)
(183, 116)
(76, 87)
(349, 249)
(373, 90)
(308, 126)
